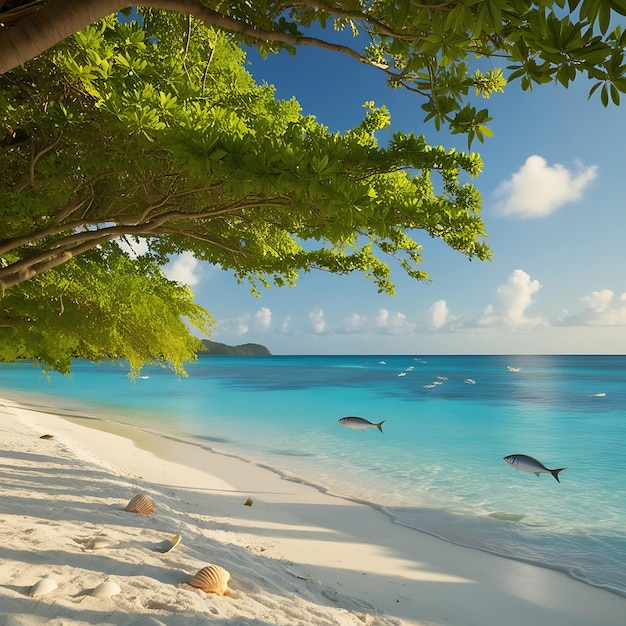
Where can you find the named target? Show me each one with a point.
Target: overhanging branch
(66, 248)
(60, 19)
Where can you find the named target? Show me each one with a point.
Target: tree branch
(17, 242)
(380, 28)
(72, 245)
(225, 22)
(61, 18)
(10, 276)
(28, 182)
(204, 239)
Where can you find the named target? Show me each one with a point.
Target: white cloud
(184, 269)
(285, 326)
(235, 325)
(356, 323)
(393, 324)
(318, 323)
(599, 301)
(439, 314)
(263, 318)
(384, 323)
(538, 189)
(241, 324)
(601, 309)
(515, 297)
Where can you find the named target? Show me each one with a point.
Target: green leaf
(594, 89)
(604, 16)
(604, 95)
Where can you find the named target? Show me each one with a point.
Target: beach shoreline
(296, 556)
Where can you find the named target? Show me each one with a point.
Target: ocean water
(437, 467)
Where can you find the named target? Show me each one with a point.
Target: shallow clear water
(438, 466)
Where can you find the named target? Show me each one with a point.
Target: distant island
(246, 349)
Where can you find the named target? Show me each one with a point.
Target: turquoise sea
(437, 467)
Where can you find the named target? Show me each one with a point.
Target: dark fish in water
(360, 423)
(526, 463)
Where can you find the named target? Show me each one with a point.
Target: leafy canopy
(428, 47)
(102, 305)
(156, 131)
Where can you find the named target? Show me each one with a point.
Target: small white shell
(169, 544)
(211, 579)
(44, 586)
(141, 504)
(106, 590)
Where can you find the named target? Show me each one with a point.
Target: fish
(360, 423)
(526, 463)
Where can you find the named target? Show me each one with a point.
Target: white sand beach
(296, 556)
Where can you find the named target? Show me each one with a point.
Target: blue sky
(553, 204)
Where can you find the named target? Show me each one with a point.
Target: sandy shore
(296, 556)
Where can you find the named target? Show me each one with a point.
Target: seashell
(211, 579)
(169, 544)
(141, 504)
(44, 586)
(46, 437)
(106, 590)
(248, 502)
(97, 543)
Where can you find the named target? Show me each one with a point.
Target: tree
(154, 130)
(426, 47)
(102, 305)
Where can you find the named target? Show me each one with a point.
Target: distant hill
(246, 349)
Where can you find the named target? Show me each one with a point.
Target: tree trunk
(55, 21)
(59, 19)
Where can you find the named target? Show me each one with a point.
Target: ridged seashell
(106, 590)
(169, 544)
(211, 579)
(44, 586)
(141, 504)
